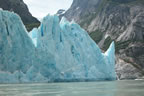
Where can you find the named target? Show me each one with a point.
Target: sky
(40, 8)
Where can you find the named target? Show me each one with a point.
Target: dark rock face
(121, 21)
(136, 51)
(60, 13)
(19, 7)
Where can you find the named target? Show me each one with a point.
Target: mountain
(60, 13)
(19, 7)
(118, 20)
(56, 51)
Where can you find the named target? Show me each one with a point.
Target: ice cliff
(56, 51)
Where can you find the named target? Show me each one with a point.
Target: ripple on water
(111, 88)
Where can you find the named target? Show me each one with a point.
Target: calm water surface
(112, 88)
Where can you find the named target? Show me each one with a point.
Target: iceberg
(56, 51)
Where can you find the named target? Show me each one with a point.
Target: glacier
(57, 51)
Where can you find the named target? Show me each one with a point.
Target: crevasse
(56, 51)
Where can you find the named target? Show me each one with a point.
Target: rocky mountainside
(19, 7)
(121, 21)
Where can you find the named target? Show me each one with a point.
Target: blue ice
(56, 51)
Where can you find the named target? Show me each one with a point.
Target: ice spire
(56, 51)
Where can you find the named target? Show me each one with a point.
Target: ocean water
(110, 88)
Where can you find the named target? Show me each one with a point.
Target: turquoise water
(111, 88)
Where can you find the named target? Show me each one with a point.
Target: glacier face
(56, 51)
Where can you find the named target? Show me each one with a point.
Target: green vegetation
(96, 36)
(29, 27)
(107, 43)
(122, 1)
(139, 1)
(87, 19)
(131, 2)
(121, 45)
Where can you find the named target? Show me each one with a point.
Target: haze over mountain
(40, 8)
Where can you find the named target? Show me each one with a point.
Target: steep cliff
(19, 7)
(118, 20)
